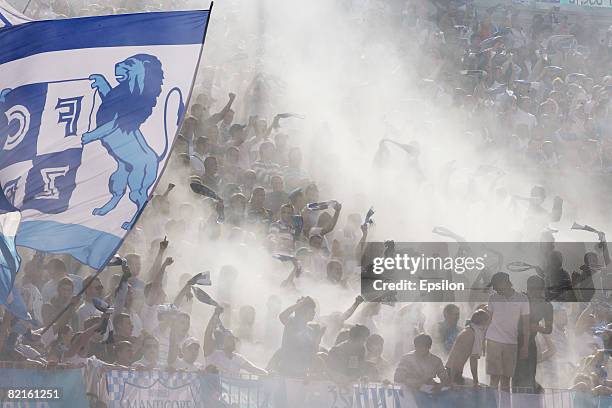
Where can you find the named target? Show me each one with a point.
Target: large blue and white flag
(9, 265)
(10, 17)
(89, 110)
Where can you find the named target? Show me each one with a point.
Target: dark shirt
(559, 286)
(348, 358)
(447, 335)
(297, 350)
(539, 309)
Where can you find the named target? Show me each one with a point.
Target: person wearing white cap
(190, 352)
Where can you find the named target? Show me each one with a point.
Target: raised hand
(163, 245)
(168, 261)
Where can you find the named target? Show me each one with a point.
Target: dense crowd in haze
(534, 86)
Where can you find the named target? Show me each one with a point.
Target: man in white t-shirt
(227, 361)
(230, 363)
(87, 309)
(227, 364)
(508, 309)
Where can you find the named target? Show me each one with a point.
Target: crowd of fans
(537, 84)
(533, 85)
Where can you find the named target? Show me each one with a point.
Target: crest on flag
(84, 140)
(124, 108)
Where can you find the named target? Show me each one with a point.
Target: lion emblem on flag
(123, 110)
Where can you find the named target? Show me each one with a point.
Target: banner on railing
(135, 389)
(65, 387)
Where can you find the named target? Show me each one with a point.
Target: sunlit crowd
(534, 86)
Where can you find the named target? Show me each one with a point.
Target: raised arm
(360, 248)
(285, 315)
(349, 312)
(85, 337)
(168, 190)
(334, 221)
(295, 272)
(253, 369)
(158, 277)
(154, 271)
(604, 247)
(274, 125)
(209, 342)
(122, 290)
(217, 117)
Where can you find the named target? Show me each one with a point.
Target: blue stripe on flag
(89, 246)
(168, 28)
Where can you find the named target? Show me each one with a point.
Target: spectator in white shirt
(87, 309)
(227, 361)
(57, 270)
(508, 309)
(32, 280)
(154, 296)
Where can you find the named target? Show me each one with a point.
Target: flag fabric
(10, 17)
(203, 296)
(203, 278)
(89, 110)
(9, 265)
